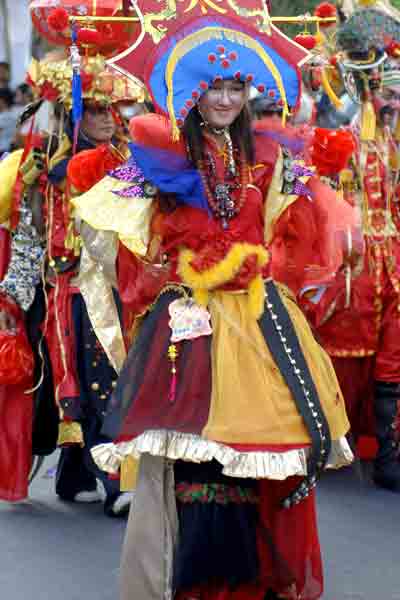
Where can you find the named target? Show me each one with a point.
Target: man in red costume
(358, 317)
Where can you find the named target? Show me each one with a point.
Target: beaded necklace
(219, 194)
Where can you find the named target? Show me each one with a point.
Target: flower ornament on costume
(210, 49)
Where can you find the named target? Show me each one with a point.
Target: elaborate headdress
(209, 49)
(51, 79)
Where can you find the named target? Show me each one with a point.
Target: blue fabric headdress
(209, 49)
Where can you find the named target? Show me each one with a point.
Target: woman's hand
(7, 322)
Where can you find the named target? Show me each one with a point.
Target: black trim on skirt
(283, 343)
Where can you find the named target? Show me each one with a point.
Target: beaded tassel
(173, 355)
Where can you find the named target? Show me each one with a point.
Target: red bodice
(203, 232)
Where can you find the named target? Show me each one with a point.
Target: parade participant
(83, 375)
(357, 317)
(226, 397)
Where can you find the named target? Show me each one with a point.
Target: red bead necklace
(221, 200)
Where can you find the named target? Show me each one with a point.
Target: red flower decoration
(261, 88)
(87, 81)
(221, 49)
(306, 40)
(271, 93)
(331, 150)
(58, 19)
(280, 102)
(393, 49)
(179, 122)
(90, 37)
(203, 85)
(49, 92)
(195, 94)
(249, 77)
(183, 112)
(225, 63)
(189, 103)
(233, 55)
(238, 75)
(325, 10)
(212, 58)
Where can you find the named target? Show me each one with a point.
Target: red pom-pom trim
(90, 37)
(195, 94)
(189, 103)
(238, 75)
(250, 77)
(183, 112)
(58, 19)
(271, 93)
(221, 49)
(261, 88)
(212, 58)
(203, 85)
(233, 55)
(226, 63)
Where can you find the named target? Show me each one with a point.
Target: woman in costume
(232, 406)
(40, 290)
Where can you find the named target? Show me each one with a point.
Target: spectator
(23, 95)
(8, 119)
(22, 98)
(4, 75)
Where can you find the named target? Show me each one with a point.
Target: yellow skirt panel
(250, 401)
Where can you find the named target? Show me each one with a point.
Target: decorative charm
(295, 175)
(188, 320)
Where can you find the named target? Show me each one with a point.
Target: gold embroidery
(204, 5)
(157, 32)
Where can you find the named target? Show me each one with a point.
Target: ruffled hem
(193, 448)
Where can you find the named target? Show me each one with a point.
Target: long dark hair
(240, 130)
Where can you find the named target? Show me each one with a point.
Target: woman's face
(98, 123)
(223, 102)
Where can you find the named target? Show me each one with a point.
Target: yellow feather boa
(224, 272)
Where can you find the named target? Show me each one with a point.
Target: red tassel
(173, 355)
(172, 389)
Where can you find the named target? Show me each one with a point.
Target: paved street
(55, 551)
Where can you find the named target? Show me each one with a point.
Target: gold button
(64, 259)
(94, 364)
(95, 387)
(114, 384)
(103, 397)
(52, 263)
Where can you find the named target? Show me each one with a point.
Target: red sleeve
(139, 283)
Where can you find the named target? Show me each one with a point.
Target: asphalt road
(55, 551)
